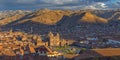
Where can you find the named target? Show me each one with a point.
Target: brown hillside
(91, 18)
(49, 17)
(45, 16)
(108, 51)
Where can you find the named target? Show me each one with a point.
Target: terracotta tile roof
(32, 50)
(1, 47)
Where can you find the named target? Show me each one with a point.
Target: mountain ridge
(51, 17)
(61, 21)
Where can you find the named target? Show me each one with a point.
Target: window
(44, 51)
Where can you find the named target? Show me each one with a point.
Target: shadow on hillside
(32, 27)
(17, 21)
(70, 20)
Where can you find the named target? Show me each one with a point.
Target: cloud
(25, 1)
(58, 4)
(101, 0)
(59, 1)
(101, 5)
(98, 5)
(113, 4)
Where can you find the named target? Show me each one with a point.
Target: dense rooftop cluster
(11, 41)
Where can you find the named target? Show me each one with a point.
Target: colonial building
(55, 40)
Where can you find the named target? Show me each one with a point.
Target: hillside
(45, 16)
(70, 24)
(92, 18)
(53, 17)
(49, 17)
(10, 13)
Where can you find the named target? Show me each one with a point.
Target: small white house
(110, 41)
(92, 38)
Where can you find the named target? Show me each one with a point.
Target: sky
(58, 4)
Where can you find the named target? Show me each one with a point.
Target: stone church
(55, 40)
(52, 40)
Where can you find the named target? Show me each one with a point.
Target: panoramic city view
(59, 29)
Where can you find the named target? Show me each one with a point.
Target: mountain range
(65, 22)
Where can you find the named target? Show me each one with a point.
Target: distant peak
(88, 13)
(92, 18)
(44, 9)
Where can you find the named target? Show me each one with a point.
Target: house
(25, 49)
(1, 46)
(19, 52)
(46, 51)
(111, 41)
(32, 49)
(43, 50)
(92, 38)
(84, 42)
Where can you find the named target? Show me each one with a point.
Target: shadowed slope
(11, 19)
